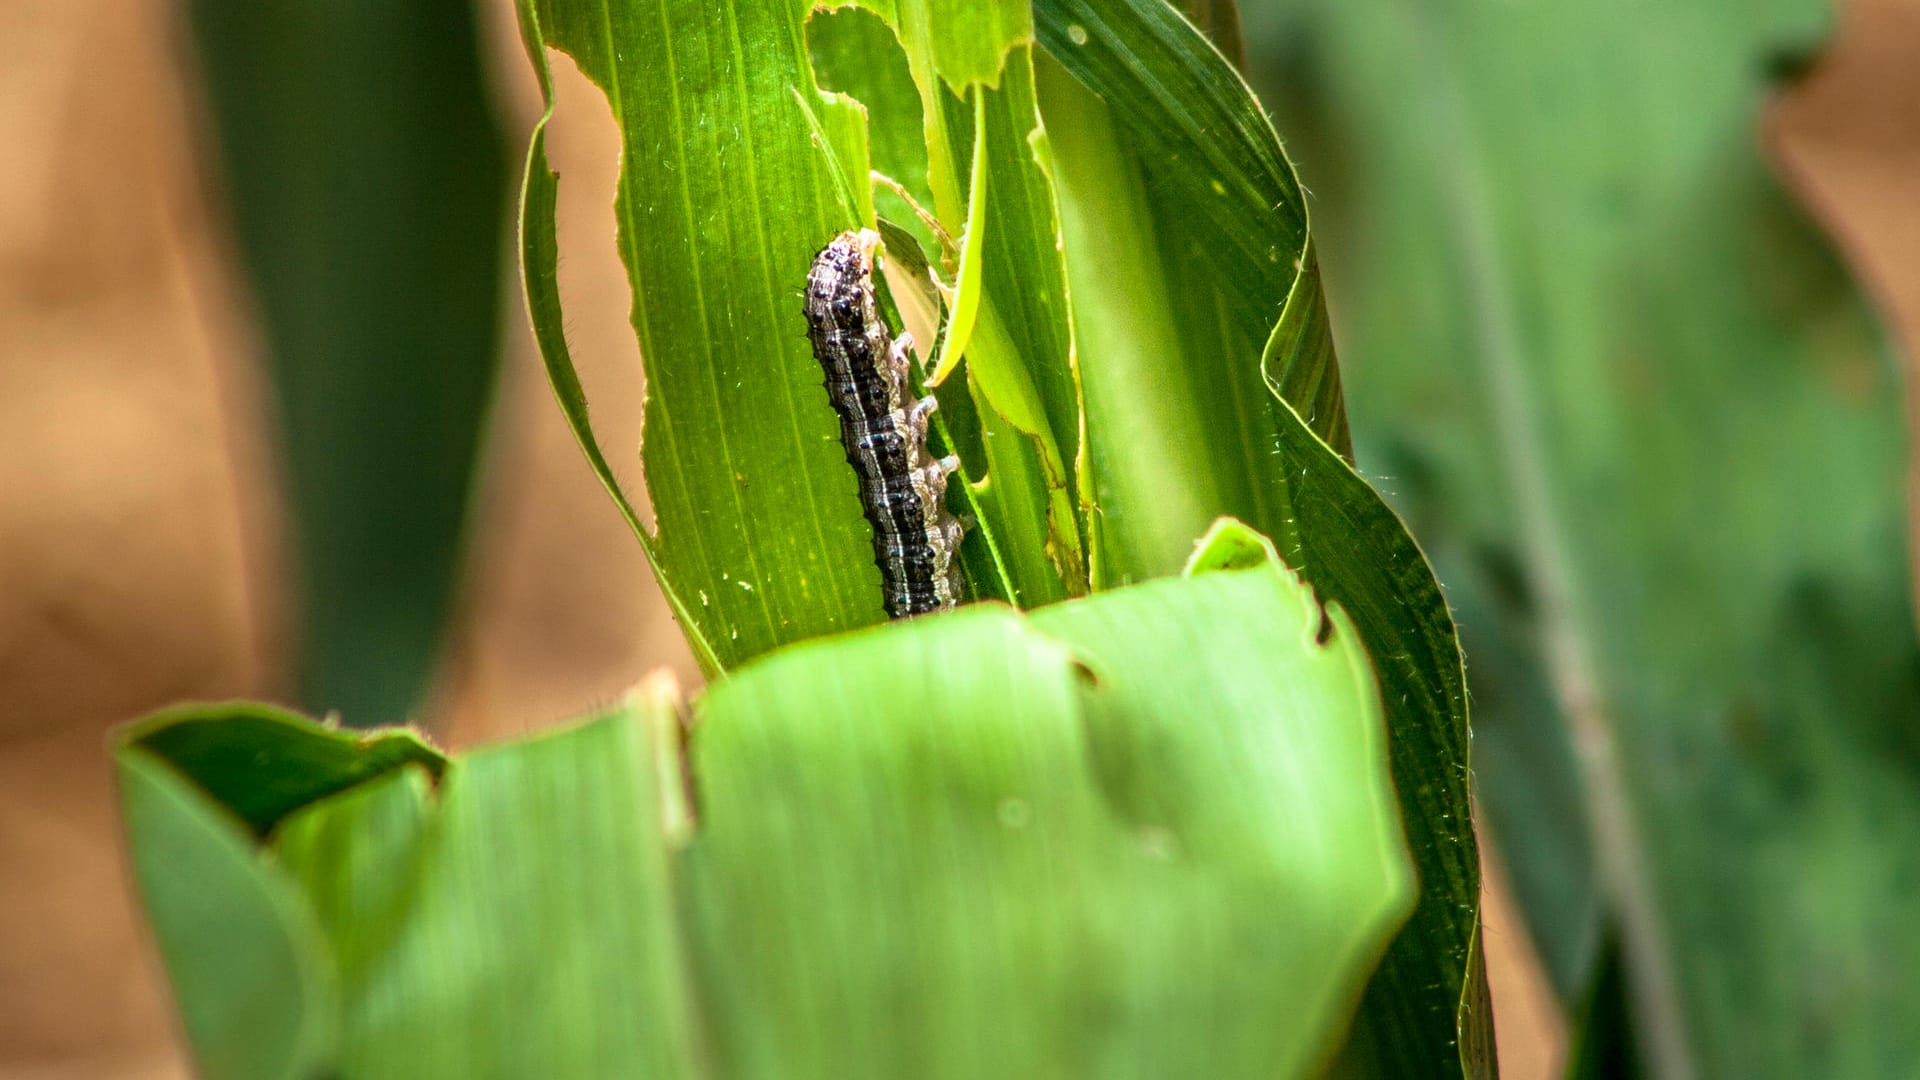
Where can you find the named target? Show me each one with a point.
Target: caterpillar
(883, 429)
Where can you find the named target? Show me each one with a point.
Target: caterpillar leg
(930, 481)
(917, 416)
(900, 356)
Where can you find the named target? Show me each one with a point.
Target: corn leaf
(200, 788)
(366, 180)
(251, 976)
(1650, 431)
(724, 197)
(1195, 302)
(1211, 389)
(1152, 833)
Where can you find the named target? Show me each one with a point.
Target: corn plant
(1177, 788)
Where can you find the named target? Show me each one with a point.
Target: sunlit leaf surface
(1650, 432)
(1211, 389)
(1149, 834)
(1139, 236)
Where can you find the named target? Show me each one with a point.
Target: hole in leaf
(583, 146)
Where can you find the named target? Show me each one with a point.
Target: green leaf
(520, 924)
(1201, 352)
(1650, 432)
(855, 53)
(1020, 368)
(1160, 911)
(723, 199)
(1229, 545)
(262, 763)
(250, 968)
(966, 286)
(1195, 292)
(1151, 833)
(366, 180)
(1021, 365)
(539, 276)
(1602, 1043)
(1185, 236)
(858, 54)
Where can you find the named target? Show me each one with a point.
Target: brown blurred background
(141, 521)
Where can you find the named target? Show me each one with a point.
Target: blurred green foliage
(366, 180)
(1649, 431)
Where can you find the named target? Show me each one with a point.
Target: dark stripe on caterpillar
(883, 429)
